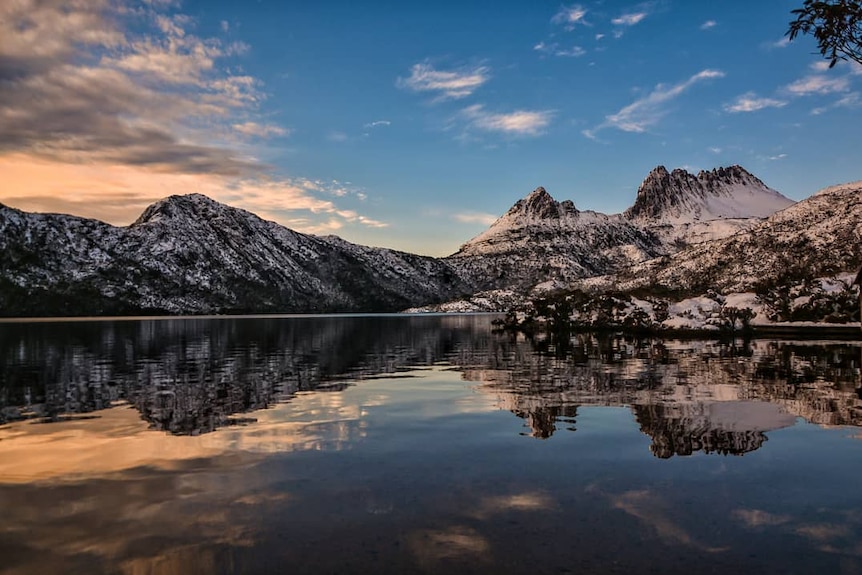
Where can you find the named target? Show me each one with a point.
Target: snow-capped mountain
(190, 254)
(550, 244)
(543, 241)
(818, 236)
(678, 197)
(682, 209)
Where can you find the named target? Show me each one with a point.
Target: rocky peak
(726, 192)
(729, 175)
(188, 207)
(541, 205)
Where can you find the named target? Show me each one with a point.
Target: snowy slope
(547, 244)
(817, 237)
(190, 254)
(678, 197)
(540, 240)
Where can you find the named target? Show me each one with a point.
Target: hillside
(192, 255)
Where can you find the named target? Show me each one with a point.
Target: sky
(402, 124)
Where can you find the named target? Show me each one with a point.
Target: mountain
(681, 208)
(678, 197)
(550, 244)
(722, 229)
(540, 240)
(192, 255)
(816, 237)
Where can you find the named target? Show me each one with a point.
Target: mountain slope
(541, 240)
(190, 254)
(818, 236)
(682, 209)
(678, 197)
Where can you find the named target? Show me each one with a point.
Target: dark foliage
(835, 24)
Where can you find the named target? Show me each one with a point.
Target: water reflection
(388, 445)
(192, 376)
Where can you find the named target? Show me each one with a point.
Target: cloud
(78, 86)
(475, 218)
(817, 84)
(777, 157)
(851, 100)
(569, 16)
(259, 130)
(377, 123)
(647, 111)
(755, 518)
(108, 106)
(449, 85)
(708, 24)
(630, 19)
(573, 52)
(119, 193)
(337, 137)
(749, 102)
(715, 150)
(783, 43)
(517, 123)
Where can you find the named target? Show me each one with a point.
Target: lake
(422, 444)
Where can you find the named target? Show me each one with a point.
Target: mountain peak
(181, 206)
(540, 204)
(681, 197)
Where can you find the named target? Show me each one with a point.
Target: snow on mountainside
(816, 237)
(681, 208)
(190, 254)
(540, 240)
(549, 244)
(679, 197)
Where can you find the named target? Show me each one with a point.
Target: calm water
(422, 444)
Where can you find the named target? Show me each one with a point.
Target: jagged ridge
(680, 197)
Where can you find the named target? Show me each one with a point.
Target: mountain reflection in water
(192, 376)
(388, 445)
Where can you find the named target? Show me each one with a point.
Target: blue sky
(404, 124)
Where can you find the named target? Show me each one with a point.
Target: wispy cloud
(852, 100)
(447, 84)
(817, 84)
(783, 43)
(708, 24)
(749, 102)
(377, 124)
(647, 111)
(259, 130)
(777, 157)
(475, 218)
(517, 123)
(569, 16)
(629, 19)
(556, 50)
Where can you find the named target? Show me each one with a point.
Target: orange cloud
(117, 193)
